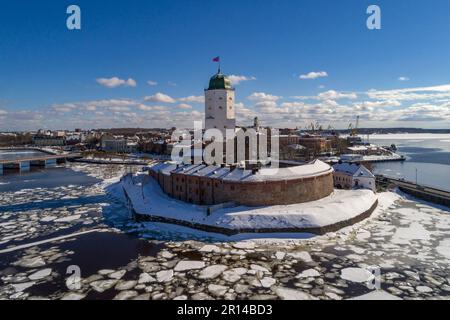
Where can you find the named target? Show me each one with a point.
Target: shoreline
(309, 217)
(232, 232)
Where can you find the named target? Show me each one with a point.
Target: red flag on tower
(216, 59)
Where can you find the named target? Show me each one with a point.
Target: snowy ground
(119, 259)
(342, 205)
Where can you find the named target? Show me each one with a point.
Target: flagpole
(217, 59)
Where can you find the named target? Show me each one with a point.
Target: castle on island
(205, 184)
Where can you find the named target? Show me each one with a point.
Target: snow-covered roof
(206, 171)
(237, 174)
(220, 173)
(357, 148)
(186, 169)
(168, 168)
(311, 169)
(353, 169)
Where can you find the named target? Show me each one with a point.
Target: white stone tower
(219, 104)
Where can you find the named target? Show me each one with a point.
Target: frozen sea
(429, 154)
(59, 221)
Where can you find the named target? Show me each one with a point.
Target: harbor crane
(354, 129)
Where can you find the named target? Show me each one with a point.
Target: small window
(220, 107)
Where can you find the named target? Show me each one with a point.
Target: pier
(46, 160)
(423, 192)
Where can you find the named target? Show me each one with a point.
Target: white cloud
(116, 82)
(378, 108)
(152, 83)
(160, 108)
(314, 75)
(373, 104)
(184, 106)
(119, 108)
(196, 99)
(64, 108)
(403, 79)
(261, 96)
(420, 93)
(238, 79)
(329, 95)
(144, 107)
(292, 104)
(160, 97)
(334, 95)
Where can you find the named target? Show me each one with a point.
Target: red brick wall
(279, 192)
(202, 190)
(179, 186)
(206, 191)
(193, 189)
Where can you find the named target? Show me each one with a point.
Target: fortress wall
(207, 191)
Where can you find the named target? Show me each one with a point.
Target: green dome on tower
(219, 81)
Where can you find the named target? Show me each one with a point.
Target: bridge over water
(47, 160)
(427, 193)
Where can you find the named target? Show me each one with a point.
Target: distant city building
(59, 133)
(48, 140)
(353, 176)
(118, 144)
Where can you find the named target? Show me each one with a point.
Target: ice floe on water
(407, 241)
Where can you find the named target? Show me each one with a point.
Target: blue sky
(51, 77)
